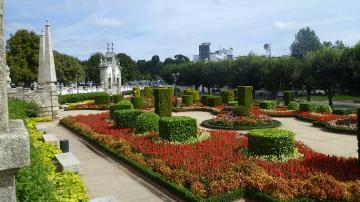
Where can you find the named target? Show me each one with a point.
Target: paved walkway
(317, 138)
(102, 175)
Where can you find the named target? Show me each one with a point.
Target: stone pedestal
(14, 154)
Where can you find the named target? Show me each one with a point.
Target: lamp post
(175, 76)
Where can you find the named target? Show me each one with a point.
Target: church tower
(110, 72)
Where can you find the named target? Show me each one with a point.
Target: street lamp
(175, 76)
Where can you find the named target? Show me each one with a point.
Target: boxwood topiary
(323, 108)
(138, 102)
(268, 104)
(271, 142)
(241, 111)
(307, 107)
(213, 101)
(233, 103)
(293, 106)
(178, 128)
(102, 99)
(163, 102)
(148, 91)
(136, 91)
(245, 96)
(289, 96)
(204, 99)
(187, 100)
(147, 122)
(194, 93)
(117, 98)
(126, 118)
(227, 96)
(125, 104)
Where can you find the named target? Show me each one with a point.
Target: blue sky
(143, 28)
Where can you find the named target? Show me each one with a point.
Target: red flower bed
(216, 166)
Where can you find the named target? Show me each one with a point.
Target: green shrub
(147, 122)
(171, 90)
(289, 96)
(245, 95)
(271, 142)
(293, 106)
(148, 91)
(343, 111)
(138, 102)
(241, 111)
(74, 98)
(233, 103)
(204, 99)
(213, 101)
(126, 118)
(178, 128)
(323, 108)
(102, 99)
(163, 102)
(125, 104)
(268, 104)
(136, 91)
(21, 109)
(187, 100)
(117, 98)
(227, 96)
(194, 93)
(307, 107)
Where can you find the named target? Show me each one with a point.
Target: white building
(110, 72)
(206, 55)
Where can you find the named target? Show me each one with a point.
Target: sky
(143, 28)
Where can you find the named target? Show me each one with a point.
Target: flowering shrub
(215, 166)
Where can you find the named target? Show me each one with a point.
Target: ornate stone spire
(41, 70)
(49, 64)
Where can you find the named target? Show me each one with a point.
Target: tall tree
(305, 41)
(129, 70)
(22, 56)
(68, 68)
(91, 66)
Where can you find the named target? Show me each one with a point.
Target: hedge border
(177, 191)
(340, 130)
(302, 118)
(207, 124)
(278, 115)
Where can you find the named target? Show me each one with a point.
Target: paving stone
(52, 139)
(68, 162)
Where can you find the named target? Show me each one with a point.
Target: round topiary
(147, 122)
(323, 108)
(241, 111)
(271, 142)
(307, 107)
(187, 100)
(138, 102)
(227, 96)
(293, 106)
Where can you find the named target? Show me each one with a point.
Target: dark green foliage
(117, 98)
(307, 107)
(323, 108)
(68, 68)
(125, 104)
(268, 104)
(102, 99)
(245, 96)
(136, 92)
(73, 98)
(358, 133)
(148, 91)
(293, 106)
(126, 118)
(289, 96)
(233, 103)
(178, 128)
(204, 99)
(343, 111)
(187, 100)
(271, 142)
(147, 122)
(241, 111)
(194, 93)
(138, 102)
(20, 109)
(213, 101)
(227, 95)
(171, 90)
(163, 102)
(305, 41)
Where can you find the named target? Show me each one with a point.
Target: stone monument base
(14, 154)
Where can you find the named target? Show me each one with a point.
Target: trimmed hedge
(138, 102)
(120, 106)
(343, 111)
(102, 99)
(194, 93)
(148, 91)
(227, 96)
(136, 91)
(323, 108)
(117, 98)
(177, 128)
(213, 101)
(147, 122)
(203, 99)
(271, 142)
(163, 102)
(74, 98)
(289, 96)
(233, 103)
(171, 90)
(307, 107)
(126, 118)
(187, 100)
(293, 106)
(210, 124)
(241, 111)
(245, 96)
(268, 104)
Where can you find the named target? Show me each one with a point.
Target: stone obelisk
(14, 139)
(41, 70)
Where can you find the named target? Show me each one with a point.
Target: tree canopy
(305, 40)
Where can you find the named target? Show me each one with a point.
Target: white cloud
(289, 25)
(107, 22)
